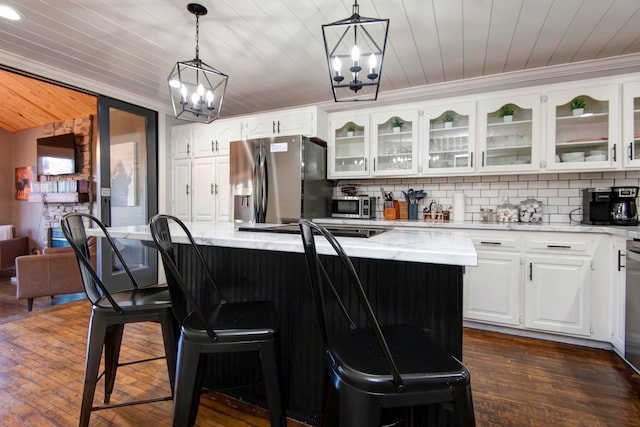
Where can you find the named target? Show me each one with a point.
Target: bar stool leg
(95, 342)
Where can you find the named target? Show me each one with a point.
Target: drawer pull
(559, 246)
(490, 243)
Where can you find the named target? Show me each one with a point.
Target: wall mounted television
(57, 154)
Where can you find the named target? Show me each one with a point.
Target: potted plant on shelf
(351, 128)
(506, 112)
(577, 106)
(447, 118)
(396, 124)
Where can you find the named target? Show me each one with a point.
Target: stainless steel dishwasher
(632, 306)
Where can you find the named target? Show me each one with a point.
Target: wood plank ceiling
(27, 103)
(273, 50)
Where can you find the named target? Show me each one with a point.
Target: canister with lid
(530, 210)
(507, 212)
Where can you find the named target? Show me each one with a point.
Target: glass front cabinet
(509, 134)
(395, 143)
(631, 124)
(449, 139)
(348, 148)
(583, 129)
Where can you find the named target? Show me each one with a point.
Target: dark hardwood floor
(516, 381)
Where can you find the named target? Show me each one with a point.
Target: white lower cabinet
(557, 294)
(492, 289)
(557, 283)
(618, 292)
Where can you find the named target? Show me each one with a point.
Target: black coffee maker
(596, 206)
(623, 205)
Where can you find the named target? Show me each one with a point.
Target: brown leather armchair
(12, 248)
(55, 272)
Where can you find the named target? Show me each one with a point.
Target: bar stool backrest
(73, 228)
(184, 303)
(347, 280)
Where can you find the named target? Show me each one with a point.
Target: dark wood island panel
(428, 295)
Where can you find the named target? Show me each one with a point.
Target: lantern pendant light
(197, 90)
(349, 40)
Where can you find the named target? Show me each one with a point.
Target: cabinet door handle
(365, 164)
(482, 159)
(374, 164)
(530, 271)
(216, 188)
(620, 255)
(278, 126)
(490, 243)
(188, 148)
(631, 151)
(273, 126)
(213, 147)
(217, 148)
(211, 188)
(471, 163)
(187, 189)
(559, 246)
(614, 152)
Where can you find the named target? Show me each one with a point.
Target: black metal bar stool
(110, 312)
(371, 366)
(216, 327)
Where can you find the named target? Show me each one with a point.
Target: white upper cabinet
(213, 139)
(297, 121)
(348, 146)
(181, 141)
(394, 143)
(509, 134)
(449, 138)
(631, 124)
(583, 128)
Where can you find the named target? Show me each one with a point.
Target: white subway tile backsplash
(560, 193)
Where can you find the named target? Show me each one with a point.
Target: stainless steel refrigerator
(279, 180)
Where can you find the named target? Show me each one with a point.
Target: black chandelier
(197, 89)
(348, 40)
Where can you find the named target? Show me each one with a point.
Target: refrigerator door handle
(255, 182)
(265, 187)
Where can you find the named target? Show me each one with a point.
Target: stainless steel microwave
(353, 207)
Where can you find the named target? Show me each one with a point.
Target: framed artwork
(24, 177)
(123, 174)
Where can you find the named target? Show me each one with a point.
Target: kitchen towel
(458, 207)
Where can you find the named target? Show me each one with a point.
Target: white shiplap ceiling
(273, 49)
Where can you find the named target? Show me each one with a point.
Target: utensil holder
(413, 211)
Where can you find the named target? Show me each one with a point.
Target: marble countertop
(624, 231)
(400, 243)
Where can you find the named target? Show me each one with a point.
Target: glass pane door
(128, 185)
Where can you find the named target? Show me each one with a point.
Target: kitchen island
(410, 276)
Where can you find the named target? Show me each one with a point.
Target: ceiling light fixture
(369, 42)
(7, 12)
(197, 89)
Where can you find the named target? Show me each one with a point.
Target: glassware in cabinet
(509, 133)
(450, 144)
(631, 124)
(348, 148)
(395, 143)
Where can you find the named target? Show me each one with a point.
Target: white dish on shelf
(577, 156)
(597, 152)
(596, 158)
